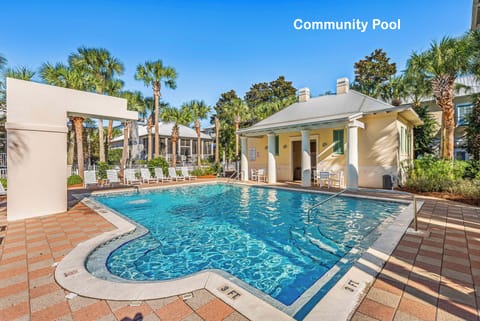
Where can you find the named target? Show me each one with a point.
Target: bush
(198, 172)
(157, 162)
(472, 170)
(114, 156)
(102, 170)
(73, 180)
(4, 182)
(216, 168)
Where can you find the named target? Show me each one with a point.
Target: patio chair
(129, 176)
(323, 178)
(261, 177)
(254, 174)
(172, 172)
(187, 175)
(159, 175)
(146, 176)
(112, 177)
(336, 179)
(89, 178)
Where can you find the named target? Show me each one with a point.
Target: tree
(417, 88)
(103, 68)
(236, 110)
(372, 71)
(199, 110)
(394, 91)
(265, 99)
(178, 117)
(74, 78)
(3, 63)
(440, 66)
(473, 131)
(22, 73)
(136, 103)
(152, 73)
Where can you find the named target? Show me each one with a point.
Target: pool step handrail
(235, 176)
(309, 211)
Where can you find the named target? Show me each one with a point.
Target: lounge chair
(254, 174)
(112, 177)
(2, 189)
(172, 172)
(159, 175)
(89, 178)
(129, 176)
(187, 175)
(323, 178)
(146, 176)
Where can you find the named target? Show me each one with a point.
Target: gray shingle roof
(165, 130)
(323, 109)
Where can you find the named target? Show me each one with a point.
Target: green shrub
(216, 168)
(102, 170)
(74, 179)
(4, 182)
(157, 162)
(114, 156)
(472, 170)
(197, 172)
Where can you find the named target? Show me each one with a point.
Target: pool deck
(431, 277)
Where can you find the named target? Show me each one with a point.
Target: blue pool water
(260, 235)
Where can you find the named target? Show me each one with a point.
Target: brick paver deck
(435, 277)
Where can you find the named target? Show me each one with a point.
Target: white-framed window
(462, 111)
(405, 141)
(252, 153)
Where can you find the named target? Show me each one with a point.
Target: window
(252, 154)
(462, 112)
(460, 155)
(277, 145)
(405, 141)
(338, 142)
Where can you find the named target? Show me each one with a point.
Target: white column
(272, 164)
(352, 156)
(306, 161)
(244, 159)
(179, 142)
(191, 148)
(202, 144)
(166, 148)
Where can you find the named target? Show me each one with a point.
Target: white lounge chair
(187, 175)
(146, 176)
(89, 178)
(159, 175)
(112, 177)
(2, 189)
(129, 176)
(173, 174)
(323, 178)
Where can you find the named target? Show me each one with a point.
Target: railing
(309, 211)
(235, 175)
(414, 201)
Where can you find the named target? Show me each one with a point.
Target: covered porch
(296, 151)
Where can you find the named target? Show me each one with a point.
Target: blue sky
(216, 46)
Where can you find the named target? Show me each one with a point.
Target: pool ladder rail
(414, 201)
(234, 177)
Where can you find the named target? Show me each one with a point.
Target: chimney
(303, 95)
(342, 86)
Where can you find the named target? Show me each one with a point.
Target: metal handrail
(309, 211)
(235, 174)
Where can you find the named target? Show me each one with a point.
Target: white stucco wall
(37, 143)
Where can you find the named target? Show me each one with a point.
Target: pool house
(358, 138)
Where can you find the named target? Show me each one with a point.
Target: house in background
(186, 143)
(363, 137)
(476, 15)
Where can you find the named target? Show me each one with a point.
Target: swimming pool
(263, 236)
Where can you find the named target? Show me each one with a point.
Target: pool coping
(337, 304)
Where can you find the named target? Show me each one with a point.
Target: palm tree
(150, 109)
(22, 73)
(152, 73)
(135, 102)
(3, 63)
(103, 68)
(69, 77)
(441, 65)
(217, 132)
(199, 111)
(237, 110)
(181, 116)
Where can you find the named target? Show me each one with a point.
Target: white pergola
(37, 142)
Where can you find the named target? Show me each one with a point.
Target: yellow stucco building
(349, 133)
